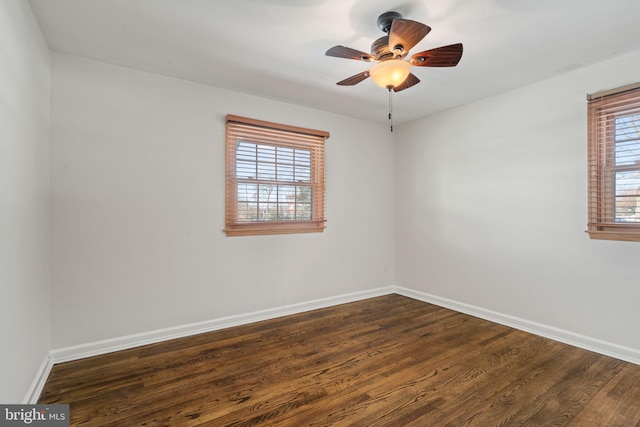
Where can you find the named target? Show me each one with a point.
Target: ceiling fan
(392, 71)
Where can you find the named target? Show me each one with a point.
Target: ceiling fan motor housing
(380, 48)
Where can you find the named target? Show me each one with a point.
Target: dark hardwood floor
(387, 361)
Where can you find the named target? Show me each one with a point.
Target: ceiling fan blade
(445, 56)
(353, 80)
(348, 53)
(411, 80)
(406, 34)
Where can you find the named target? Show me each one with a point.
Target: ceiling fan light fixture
(390, 73)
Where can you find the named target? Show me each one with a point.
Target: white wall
(491, 210)
(24, 199)
(137, 165)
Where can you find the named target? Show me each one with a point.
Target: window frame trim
(318, 221)
(601, 162)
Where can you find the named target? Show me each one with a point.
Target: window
(614, 164)
(275, 178)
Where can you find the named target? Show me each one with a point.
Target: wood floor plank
(384, 361)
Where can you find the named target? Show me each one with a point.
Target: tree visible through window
(614, 165)
(275, 178)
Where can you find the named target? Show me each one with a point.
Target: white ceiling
(276, 48)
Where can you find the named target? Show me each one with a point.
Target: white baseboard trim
(122, 343)
(577, 340)
(31, 398)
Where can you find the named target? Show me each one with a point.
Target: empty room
(320, 212)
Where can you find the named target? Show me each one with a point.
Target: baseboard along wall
(627, 354)
(31, 398)
(122, 343)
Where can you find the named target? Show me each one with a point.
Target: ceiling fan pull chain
(390, 109)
